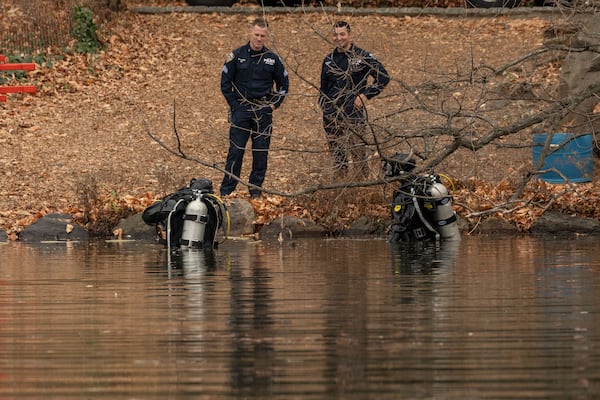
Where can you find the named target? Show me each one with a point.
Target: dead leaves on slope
(477, 199)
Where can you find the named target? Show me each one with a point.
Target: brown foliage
(87, 120)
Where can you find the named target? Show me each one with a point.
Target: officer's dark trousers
(344, 135)
(254, 125)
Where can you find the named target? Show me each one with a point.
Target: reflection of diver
(184, 263)
(423, 257)
(421, 207)
(190, 217)
(193, 263)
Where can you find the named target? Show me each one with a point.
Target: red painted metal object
(17, 89)
(15, 67)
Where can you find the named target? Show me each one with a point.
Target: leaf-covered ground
(81, 144)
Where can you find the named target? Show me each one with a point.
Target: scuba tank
(439, 206)
(189, 217)
(194, 223)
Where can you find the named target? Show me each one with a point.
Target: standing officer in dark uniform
(247, 81)
(345, 89)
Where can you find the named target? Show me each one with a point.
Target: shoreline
(62, 227)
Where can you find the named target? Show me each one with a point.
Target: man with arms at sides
(254, 82)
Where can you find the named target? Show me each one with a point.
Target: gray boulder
(555, 223)
(3, 236)
(134, 228)
(496, 226)
(242, 217)
(287, 228)
(52, 227)
(365, 225)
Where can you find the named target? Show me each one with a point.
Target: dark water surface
(513, 318)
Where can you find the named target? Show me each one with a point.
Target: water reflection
(424, 257)
(252, 328)
(326, 319)
(191, 263)
(225, 320)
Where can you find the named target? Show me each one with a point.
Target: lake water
(487, 318)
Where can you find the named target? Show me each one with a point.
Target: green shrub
(85, 31)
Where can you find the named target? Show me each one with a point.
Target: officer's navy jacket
(344, 76)
(248, 76)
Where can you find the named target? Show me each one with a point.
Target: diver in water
(190, 217)
(421, 206)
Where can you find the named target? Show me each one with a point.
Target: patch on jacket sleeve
(229, 58)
